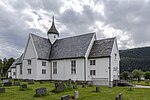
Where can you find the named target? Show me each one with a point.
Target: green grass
(145, 83)
(87, 93)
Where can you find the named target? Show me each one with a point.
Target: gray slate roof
(72, 47)
(14, 63)
(42, 46)
(102, 48)
(19, 61)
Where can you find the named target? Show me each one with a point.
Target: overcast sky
(128, 20)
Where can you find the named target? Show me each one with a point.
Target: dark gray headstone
(83, 85)
(16, 83)
(60, 87)
(23, 86)
(8, 84)
(97, 89)
(75, 86)
(120, 96)
(69, 83)
(2, 90)
(41, 91)
(117, 98)
(65, 97)
(1, 84)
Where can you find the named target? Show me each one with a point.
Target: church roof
(14, 63)
(102, 48)
(42, 46)
(53, 29)
(19, 61)
(72, 47)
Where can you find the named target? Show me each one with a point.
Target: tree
(147, 75)
(125, 75)
(137, 74)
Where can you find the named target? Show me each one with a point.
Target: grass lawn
(141, 83)
(13, 93)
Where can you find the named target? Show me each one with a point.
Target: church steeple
(53, 29)
(52, 33)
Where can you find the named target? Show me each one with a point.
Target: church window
(29, 71)
(92, 62)
(43, 71)
(29, 62)
(73, 67)
(54, 67)
(43, 63)
(92, 72)
(20, 69)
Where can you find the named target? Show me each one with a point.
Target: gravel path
(141, 86)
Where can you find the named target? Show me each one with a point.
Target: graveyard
(45, 90)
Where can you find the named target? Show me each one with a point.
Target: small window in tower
(54, 36)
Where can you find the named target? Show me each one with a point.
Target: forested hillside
(137, 58)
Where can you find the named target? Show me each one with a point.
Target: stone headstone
(16, 83)
(120, 96)
(5, 80)
(30, 81)
(97, 89)
(75, 86)
(65, 97)
(2, 90)
(76, 95)
(41, 91)
(1, 84)
(60, 87)
(8, 84)
(117, 98)
(83, 85)
(69, 83)
(23, 86)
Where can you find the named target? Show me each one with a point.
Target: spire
(53, 29)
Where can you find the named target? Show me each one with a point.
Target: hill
(137, 58)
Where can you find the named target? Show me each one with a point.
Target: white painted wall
(13, 70)
(64, 70)
(52, 37)
(101, 68)
(115, 62)
(30, 54)
(18, 75)
(39, 75)
(9, 74)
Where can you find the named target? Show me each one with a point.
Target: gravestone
(60, 87)
(8, 84)
(97, 89)
(23, 86)
(76, 95)
(116, 98)
(120, 96)
(1, 84)
(69, 83)
(83, 85)
(30, 81)
(16, 83)
(5, 80)
(65, 97)
(2, 90)
(41, 91)
(75, 86)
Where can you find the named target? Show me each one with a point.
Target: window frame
(43, 63)
(43, 71)
(21, 69)
(93, 72)
(29, 71)
(73, 67)
(92, 62)
(55, 67)
(29, 61)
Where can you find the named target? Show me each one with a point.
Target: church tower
(52, 33)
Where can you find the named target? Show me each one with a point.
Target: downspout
(84, 69)
(109, 71)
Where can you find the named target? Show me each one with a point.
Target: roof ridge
(38, 36)
(76, 36)
(106, 39)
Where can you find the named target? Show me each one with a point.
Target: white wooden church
(81, 57)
